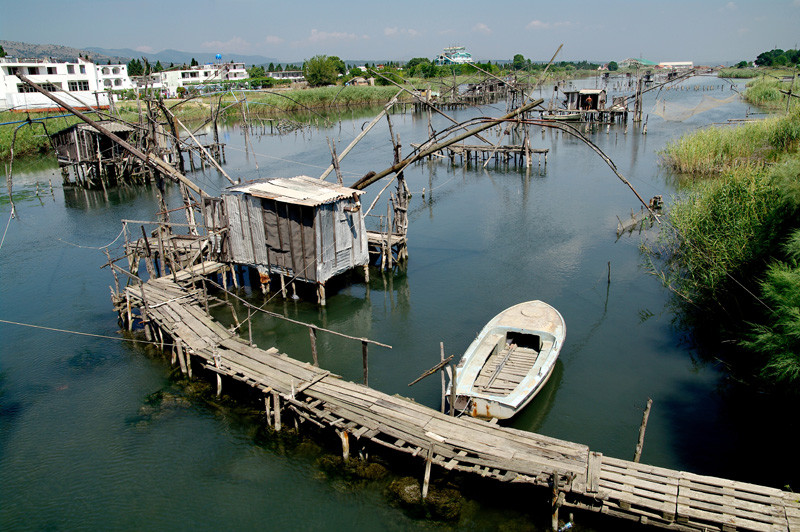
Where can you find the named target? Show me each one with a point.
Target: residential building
(201, 75)
(78, 83)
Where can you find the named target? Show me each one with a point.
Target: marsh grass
(718, 229)
(718, 149)
(739, 73)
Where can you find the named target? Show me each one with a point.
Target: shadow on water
(535, 414)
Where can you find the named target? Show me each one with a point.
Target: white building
(454, 55)
(291, 75)
(82, 84)
(676, 65)
(200, 75)
(113, 77)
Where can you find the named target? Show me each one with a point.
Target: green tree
(741, 64)
(194, 62)
(271, 67)
(320, 70)
(612, 66)
(135, 68)
(2, 52)
(341, 68)
(518, 63)
(158, 67)
(256, 72)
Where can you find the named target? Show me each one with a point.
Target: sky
(703, 31)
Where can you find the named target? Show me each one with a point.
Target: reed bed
(718, 149)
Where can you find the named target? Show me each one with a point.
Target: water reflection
(534, 415)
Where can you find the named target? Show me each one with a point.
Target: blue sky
(603, 30)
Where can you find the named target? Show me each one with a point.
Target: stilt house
(89, 153)
(586, 99)
(300, 227)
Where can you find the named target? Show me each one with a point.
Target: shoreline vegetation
(730, 250)
(272, 103)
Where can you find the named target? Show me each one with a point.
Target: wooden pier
(517, 154)
(170, 309)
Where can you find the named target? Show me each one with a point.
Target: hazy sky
(601, 30)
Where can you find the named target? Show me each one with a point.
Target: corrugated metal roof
(584, 91)
(300, 190)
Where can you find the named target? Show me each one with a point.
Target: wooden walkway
(583, 479)
(516, 154)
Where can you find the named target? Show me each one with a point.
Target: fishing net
(676, 112)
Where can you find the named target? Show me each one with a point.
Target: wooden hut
(301, 227)
(586, 99)
(92, 156)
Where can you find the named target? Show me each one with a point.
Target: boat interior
(512, 356)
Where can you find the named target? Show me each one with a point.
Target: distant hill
(178, 57)
(21, 50)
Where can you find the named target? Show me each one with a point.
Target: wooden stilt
(427, 479)
(364, 359)
(312, 333)
(181, 359)
(276, 406)
(345, 437)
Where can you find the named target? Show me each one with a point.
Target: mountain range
(57, 52)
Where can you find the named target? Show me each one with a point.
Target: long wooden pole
(367, 180)
(640, 444)
(149, 159)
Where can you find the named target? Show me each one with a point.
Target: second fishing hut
(301, 227)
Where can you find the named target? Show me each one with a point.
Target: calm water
(97, 433)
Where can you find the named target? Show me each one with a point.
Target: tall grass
(738, 73)
(714, 150)
(720, 228)
(30, 137)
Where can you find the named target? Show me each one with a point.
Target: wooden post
(426, 480)
(344, 435)
(555, 503)
(453, 391)
(441, 359)
(640, 444)
(266, 406)
(219, 377)
(276, 406)
(181, 359)
(312, 333)
(364, 358)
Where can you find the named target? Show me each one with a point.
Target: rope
(10, 216)
(79, 333)
(93, 247)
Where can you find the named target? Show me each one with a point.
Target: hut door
(345, 234)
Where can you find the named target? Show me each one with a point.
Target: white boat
(510, 361)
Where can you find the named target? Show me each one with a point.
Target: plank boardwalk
(587, 480)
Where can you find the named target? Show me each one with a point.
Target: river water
(98, 433)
